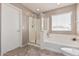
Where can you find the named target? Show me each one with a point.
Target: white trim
(20, 28)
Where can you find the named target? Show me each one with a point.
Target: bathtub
(70, 51)
(55, 42)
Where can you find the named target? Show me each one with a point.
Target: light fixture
(58, 3)
(37, 9)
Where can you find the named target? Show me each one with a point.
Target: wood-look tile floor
(32, 51)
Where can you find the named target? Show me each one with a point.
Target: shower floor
(32, 51)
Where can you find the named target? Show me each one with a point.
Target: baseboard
(24, 45)
(36, 45)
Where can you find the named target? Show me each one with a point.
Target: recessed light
(37, 9)
(58, 3)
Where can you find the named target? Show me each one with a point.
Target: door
(38, 25)
(32, 31)
(10, 28)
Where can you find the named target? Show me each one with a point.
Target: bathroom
(54, 28)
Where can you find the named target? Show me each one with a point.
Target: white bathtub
(56, 41)
(70, 51)
(63, 40)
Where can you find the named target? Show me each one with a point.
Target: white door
(10, 28)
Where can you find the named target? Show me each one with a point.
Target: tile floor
(32, 51)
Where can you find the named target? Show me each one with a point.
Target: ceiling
(44, 6)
